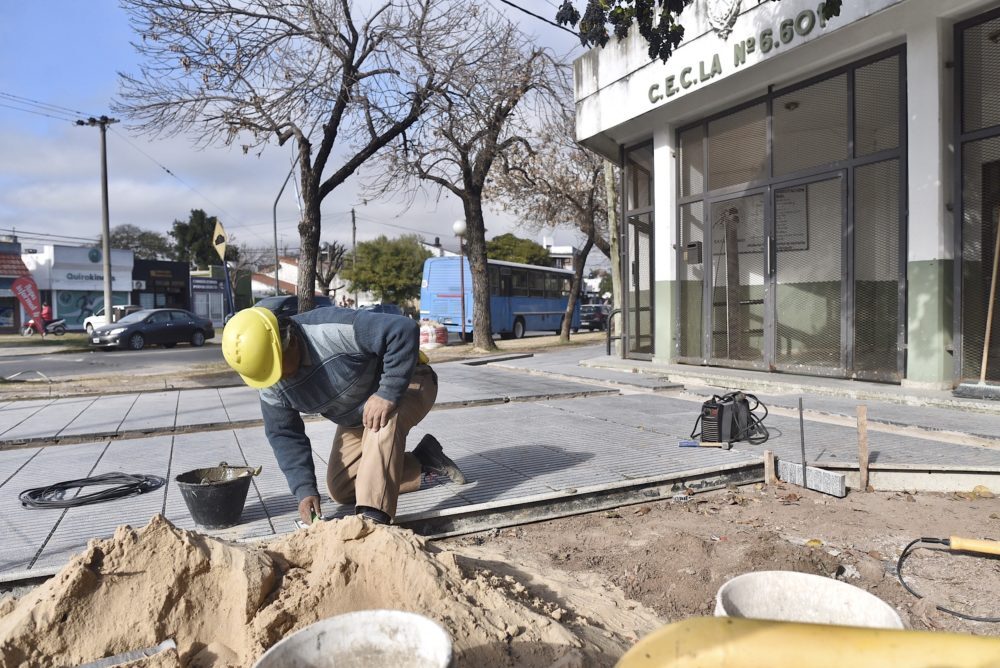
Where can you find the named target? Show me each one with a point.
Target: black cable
(54, 496)
(899, 574)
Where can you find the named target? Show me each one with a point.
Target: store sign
(787, 30)
(745, 39)
(86, 276)
(26, 291)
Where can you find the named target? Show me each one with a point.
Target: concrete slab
(79, 525)
(200, 407)
(49, 420)
(152, 411)
(242, 403)
(25, 530)
(101, 418)
(464, 385)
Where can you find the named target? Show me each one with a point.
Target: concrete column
(665, 240)
(930, 258)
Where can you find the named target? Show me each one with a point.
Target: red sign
(26, 291)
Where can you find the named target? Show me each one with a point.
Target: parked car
(594, 316)
(392, 309)
(118, 311)
(285, 305)
(154, 327)
(289, 304)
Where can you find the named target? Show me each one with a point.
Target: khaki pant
(371, 468)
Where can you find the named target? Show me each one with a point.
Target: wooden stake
(863, 446)
(769, 477)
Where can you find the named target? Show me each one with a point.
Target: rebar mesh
(810, 126)
(876, 270)
(876, 107)
(808, 224)
(691, 286)
(737, 148)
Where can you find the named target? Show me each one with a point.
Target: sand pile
(224, 604)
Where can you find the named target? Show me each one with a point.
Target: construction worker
(358, 369)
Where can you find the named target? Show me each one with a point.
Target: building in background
(11, 268)
(71, 279)
(807, 196)
(161, 284)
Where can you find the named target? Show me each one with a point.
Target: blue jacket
(349, 356)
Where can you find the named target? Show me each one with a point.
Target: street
(99, 362)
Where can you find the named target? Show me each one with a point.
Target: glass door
(736, 280)
(639, 248)
(809, 286)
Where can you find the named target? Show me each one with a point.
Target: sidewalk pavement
(541, 430)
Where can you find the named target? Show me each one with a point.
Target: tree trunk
(475, 236)
(613, 238)
(574, 291)
(309, 229)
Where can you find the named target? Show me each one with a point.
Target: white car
(97, 320)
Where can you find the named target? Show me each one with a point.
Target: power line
(53, 107)
(539, 17)
(38, 113)
(236, 222)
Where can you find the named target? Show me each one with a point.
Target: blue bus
(522, 296)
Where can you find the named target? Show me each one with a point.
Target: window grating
(876, 268)
(981, 76)
(737, 148)
(876, 100)
(692, 161)
(810, 126)
(808, 224)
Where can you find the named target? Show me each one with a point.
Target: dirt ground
(673, 556)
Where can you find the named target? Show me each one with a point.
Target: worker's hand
(377, 412)
(307, 507)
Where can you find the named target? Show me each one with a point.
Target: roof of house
(11, 264)
(284, 286)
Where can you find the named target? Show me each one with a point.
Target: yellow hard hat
(251, 344)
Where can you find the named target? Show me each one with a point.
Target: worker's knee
(341, 489)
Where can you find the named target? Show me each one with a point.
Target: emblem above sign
(722, 15)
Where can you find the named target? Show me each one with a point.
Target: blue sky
(68, 53)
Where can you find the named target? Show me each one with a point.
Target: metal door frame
(625, 269)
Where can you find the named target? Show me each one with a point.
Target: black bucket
(215, 496)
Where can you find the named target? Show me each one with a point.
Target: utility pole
(103, 122)
(354, 251)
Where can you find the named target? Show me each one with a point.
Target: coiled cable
(125, 485)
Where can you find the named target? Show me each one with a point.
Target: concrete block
(818, 480)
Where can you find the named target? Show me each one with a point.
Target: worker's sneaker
(433, 460)
(373, 515)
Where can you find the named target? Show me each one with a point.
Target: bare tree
(486, 111)
(337, 78)
(558, 183)
(329, 264)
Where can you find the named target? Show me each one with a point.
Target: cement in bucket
(788, 596)
(215, 496)
(365, 639)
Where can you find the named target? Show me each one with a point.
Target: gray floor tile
(151, 411)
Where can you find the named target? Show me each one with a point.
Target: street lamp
(459, 227)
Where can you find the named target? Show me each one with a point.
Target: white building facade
(71, 279)
(808, 196)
